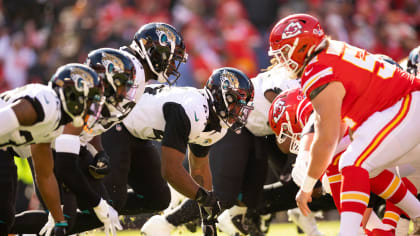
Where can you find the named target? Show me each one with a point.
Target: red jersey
(371, 84)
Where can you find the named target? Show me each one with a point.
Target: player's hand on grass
(208, 224)
(108, 216)
(48, 227)
(209, 202)
(59, 228)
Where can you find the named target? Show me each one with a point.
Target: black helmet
(80, 92)
(232, 94)
(162, 47)
(413, 61)
(121, 75)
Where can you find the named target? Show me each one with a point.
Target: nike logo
(195, 116)
(308, 72)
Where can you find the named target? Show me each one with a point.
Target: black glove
(209, 202)
(207, 224)
(100, 166)
(60, 228)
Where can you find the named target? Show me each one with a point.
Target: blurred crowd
(38, 36)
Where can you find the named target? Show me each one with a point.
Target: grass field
(329, 228)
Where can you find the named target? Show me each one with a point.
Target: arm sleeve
(68, 171)
(177, 127)
(198, 150)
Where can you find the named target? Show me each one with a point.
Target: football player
(32, 117)
(180, 118)
(238, 162)
(375, 100)
(124, 83)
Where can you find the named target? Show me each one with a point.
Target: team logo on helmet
(81, 76)
(229, 80)
(279, 111)
(112, 62)
(165, 35)
(291, 30)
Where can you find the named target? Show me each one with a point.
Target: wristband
(308, 184)
(61, 224)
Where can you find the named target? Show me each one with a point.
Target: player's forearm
(180, 180)
(320, 157)
(200, 170)
(48, 188)
(203, 177)
(323, 146)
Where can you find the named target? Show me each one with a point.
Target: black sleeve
(38, 108)
(198, 150)
(177, 127)
(67, 170)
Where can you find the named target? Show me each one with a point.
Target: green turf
(329, 228)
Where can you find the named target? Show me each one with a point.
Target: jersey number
(367, 62)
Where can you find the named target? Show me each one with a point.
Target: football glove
(108, 216)
(99, 167)
(208, 224)
(209, 202)
(59, 228)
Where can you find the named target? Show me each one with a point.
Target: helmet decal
(81, 76)
(280, 106)
(113, 61)
(293, 29)
(229, 80)
(165, 35)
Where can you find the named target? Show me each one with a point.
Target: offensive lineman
(238, 161)
(180, 117)
(32, 117)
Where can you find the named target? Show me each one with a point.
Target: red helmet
(293, 39)
(288, 114)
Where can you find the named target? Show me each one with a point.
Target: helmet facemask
(77, 99)
(237, 109)
(283, 57)
(121, 87)
(286, 131)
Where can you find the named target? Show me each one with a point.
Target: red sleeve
(315, 75)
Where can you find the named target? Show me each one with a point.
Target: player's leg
(30, 222)
(228, 159)
(85, 219)
(150, 191)
(378, 142)
(116, 143)
(8, 182)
